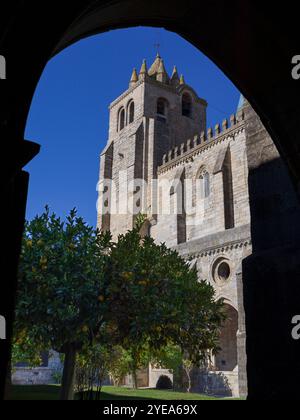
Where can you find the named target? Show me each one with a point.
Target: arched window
(131, 112)
(205, 181)
(206, 185)
(121, 122)
(162, 107)
(227, 358)
(187, 105)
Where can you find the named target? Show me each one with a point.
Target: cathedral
(191, 181)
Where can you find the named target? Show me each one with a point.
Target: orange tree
(61, 269)
(77, 287)
(153, 298)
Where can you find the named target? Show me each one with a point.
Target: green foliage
(153, 299)
(120, 365)
(57, 377)
(61, 268)
(78, 289)
(59, 306)
(25, 351)
(171, 358)
(92, 369)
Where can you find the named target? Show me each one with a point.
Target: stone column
(241, 337)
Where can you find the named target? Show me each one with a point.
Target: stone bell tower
(156, 114)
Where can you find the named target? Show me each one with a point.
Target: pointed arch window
(162, 110)
(228, 192)
(205, 181)
(121, 119)
(187, 105)
(131, 111)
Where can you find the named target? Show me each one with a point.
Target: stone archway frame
(250, 51)
(231, 307)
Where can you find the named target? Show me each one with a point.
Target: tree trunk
(188, 375)
(134, 367)
(135, 380)
(67, 388)
(190, 383)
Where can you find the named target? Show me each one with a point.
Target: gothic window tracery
(205, 178)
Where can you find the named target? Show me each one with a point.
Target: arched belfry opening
(187, 105)
(162, 108)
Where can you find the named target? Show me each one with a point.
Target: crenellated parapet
(202, 142)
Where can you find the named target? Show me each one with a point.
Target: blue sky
(69, 112)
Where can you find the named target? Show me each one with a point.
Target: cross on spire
(157, 47)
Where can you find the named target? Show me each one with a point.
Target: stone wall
(155, 374)
(215, 244)
(39, 375)
(220, 384)
(231, 247)
(180, 127)
(208, 215)
(137, 150)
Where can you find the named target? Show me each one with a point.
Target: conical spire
(161, 68)
(134, 78)
(242, 102)
(182, 80)
(175, 77)
(162, 75)
(175, 72)
(155, 66)
(143, 71)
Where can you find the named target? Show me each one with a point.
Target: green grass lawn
(35, 393)
(109, 394)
